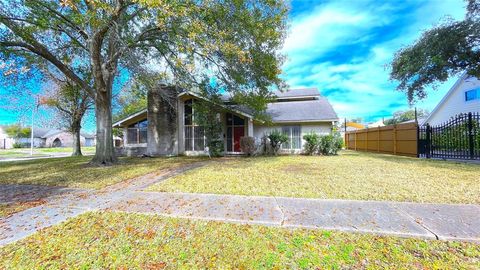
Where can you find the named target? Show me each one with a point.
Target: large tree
(448, 49)
(235, 41)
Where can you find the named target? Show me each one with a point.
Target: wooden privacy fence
(400, 139)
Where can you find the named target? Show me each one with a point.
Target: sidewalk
(434, 221)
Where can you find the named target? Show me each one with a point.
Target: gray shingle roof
(299, 111)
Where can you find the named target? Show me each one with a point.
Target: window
(294, 137)
(194, 135)
(472, 94)
(137, 132)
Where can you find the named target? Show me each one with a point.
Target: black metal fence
(459, 138)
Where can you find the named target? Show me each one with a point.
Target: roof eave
(119, 123)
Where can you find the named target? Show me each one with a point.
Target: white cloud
(359, 85)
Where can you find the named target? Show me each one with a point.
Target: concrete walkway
(433, 221)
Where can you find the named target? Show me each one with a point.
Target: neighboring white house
(5, 141)
(463, 97)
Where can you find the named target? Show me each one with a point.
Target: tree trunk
(77, 150)
(105, 152)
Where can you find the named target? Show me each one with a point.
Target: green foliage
(312, 142)
(276, 139)
(330, 144)
(17, 145)
(441, 52)
(248, 146)
(236, 42)
(455, 137)
(17, 131)
(403, 116)
(216, 147)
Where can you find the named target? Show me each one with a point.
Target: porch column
(181, 126)
(250, 127)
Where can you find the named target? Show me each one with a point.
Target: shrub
(312, 142)
(248, 146)
(215, 148)
(276, 139)
(17, 145)
(330, 144)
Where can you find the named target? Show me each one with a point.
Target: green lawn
(75, 172)
(133, 241)
(350, 175)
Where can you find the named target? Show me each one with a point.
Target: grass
(133, 241)
(351, 175)
(75, 172)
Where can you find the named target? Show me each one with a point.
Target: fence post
(378, 139)
(428, 141)
(366, 140)
(470, 135)
(355, 140)
(394, 139)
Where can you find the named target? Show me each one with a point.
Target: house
(46, 137)
(463, 97)
(5, 141)
(295, 112)
(378, 123)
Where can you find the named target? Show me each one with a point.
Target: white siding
(455, 103)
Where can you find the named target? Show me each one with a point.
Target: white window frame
(192, 139)
(289, 131)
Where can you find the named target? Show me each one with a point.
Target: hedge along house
(294, 112)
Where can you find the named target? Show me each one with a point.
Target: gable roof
(294, 105)
(302, 111)
(460, 80)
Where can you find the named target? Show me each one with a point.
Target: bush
(276, 139)
(215, 148)
(312, 142)
(17, 145)
(248, 146)
(330, 144)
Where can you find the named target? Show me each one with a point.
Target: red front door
(238, 132)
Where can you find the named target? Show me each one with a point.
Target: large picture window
(137, 133)
(294, 138)
(194, 134)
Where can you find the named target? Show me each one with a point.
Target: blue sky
(343, 48)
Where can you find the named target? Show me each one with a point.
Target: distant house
(295, 112)
(45, 137)
(5, 141)
(463, 97)
(378, 123)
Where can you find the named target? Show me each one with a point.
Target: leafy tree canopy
(446, 50)
(17, 131)
(182, 41)
(403, 116)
